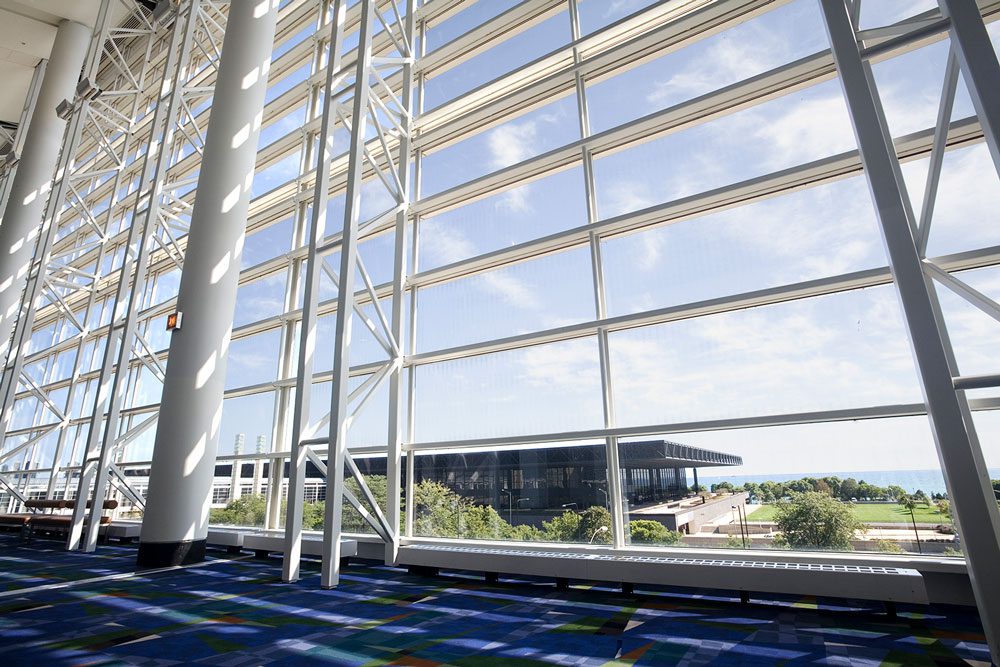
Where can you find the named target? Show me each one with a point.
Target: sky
(846, 350)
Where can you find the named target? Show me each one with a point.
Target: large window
(646, 299)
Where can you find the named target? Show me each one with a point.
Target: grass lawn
(870, 513)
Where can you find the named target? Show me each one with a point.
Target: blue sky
(839, 351)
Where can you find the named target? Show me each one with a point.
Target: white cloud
(510, 289)
(515, 200)
(827, 353)
(516, 141)
(442, 243)
(569, 367)
(808, 129)
(735, 55)
(625, 196)
(511, 143)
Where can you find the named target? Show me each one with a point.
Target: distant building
(532, 482)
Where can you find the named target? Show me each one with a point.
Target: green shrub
(887, 547)
(644, 531)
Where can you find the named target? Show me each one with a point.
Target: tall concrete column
(175, 523)
(32, 182)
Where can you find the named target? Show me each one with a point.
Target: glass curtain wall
(630, 226)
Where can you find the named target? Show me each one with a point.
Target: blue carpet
(237, 612)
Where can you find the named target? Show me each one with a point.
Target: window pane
(790, 32)
(825, 353)
(499, 59)
(790, 130)
(527, 212)
(825, 486)
(815, 233)
(537, 494)
(253, 359)
(532, 134)
(545, 388)
(544, 293)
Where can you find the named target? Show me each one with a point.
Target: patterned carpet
(236, 612)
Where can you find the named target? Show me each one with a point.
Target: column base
(167, 554)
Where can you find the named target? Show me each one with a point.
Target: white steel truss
(370, 97)
(375, 105)
(905, 238)
(163, 66)
(101, 123)
(159, 219)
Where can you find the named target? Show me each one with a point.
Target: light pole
(740, 515)
(741, 509)
(602, 529)
(510, 505)
(740, 519)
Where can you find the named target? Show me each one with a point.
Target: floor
(59, 608)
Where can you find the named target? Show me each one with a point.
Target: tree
(562, 528)
(835, 484)
(722, 486)
(813, 520)
(771, 491)
(526, 533)
(595, 526)
(799, 486)
(849, 489)
(312, 517)
(645, 531)
(440, 512)
(870, 491)
(944, 507)
(895, 493)
(244, 511)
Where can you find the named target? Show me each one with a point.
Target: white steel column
(312, 273)
(339, 409)
(616, 502)
(394, 455)
(958, 449)
(29, 190)
(375, 106)
(175, 523)
(13, 370)
(285, 399)
(971, 44)
(411, 335)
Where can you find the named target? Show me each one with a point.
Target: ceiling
(27, 30)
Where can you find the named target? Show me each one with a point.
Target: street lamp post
(602, 529)
(740, 519)
(510, 505)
